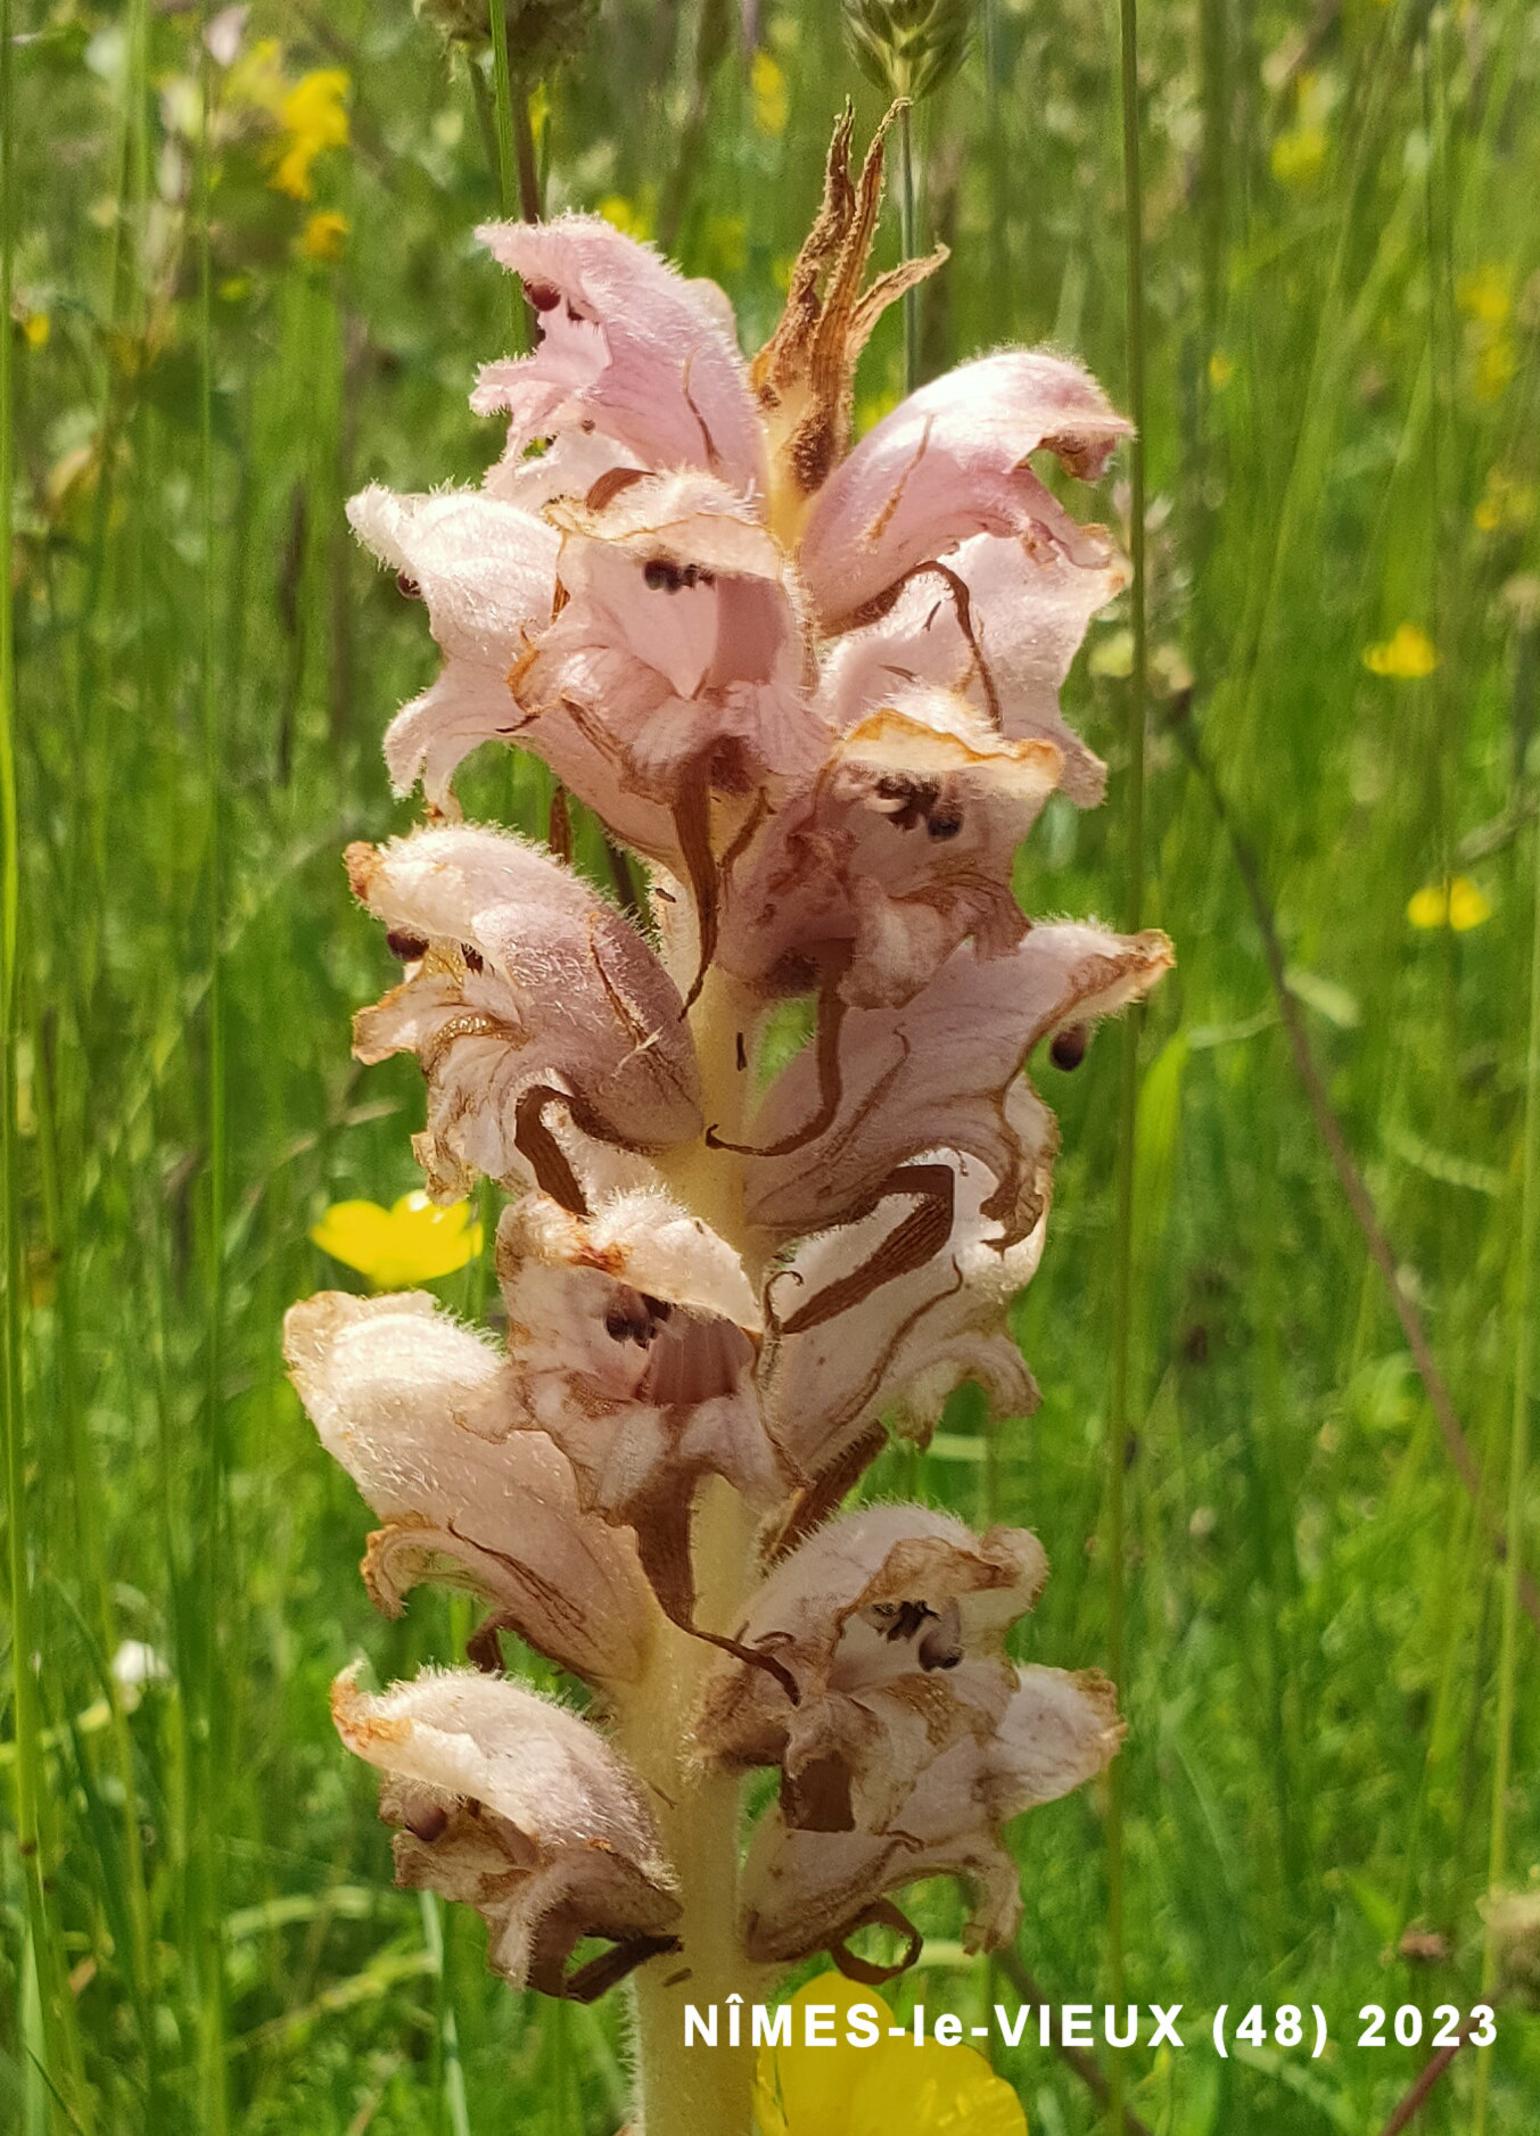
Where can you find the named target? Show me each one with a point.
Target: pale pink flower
(513, 1805)
(526, 997)
(634, 1338)
(806, 1890)
(420, 1413)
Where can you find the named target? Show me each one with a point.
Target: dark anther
(630, 1319)
(407, 947)
(541, 296)
(944, 823)
(428, 1824)
(474, 960)
(659, 1308)
(665, 577)
(1068, 1048)
(408, 587)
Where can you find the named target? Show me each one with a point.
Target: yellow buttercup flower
(36, 326)
(767, 89)
(1459, 904)
(413, 1241)
(849, 2090)
(314, 117)
(1407, 655)
(324, 237)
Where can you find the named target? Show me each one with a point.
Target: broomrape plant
(813, 686)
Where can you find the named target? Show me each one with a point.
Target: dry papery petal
(938, 1073)
(889, 1621)
(487, 571)
(510, 1803)
(998, 623)
(634, 1334)
(677, 668)
(419, 1411)
(951, 462)
(526, 995)
(805, 1891)
(900, 849)
(628, 349)
(884, 1319)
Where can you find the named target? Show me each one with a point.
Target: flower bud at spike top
(812, 686)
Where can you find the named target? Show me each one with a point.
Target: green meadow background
(1323, 1653)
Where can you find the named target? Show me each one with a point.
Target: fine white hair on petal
(525, 990)
(508, 1802)
(487, 573)
(422, 1414)
(950, 462)
(627, 347)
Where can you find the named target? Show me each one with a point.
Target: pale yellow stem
(696, 2090)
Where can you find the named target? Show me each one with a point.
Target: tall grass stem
(1120, 1419)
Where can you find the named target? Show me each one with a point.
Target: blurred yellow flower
(36, 326)
(256, 80)
(1298, 155)
(1506, 505)
(727, 243)
(324, 237)
(893, 2085)
(1459, 903)
(1497, 365)
(314, 117)
(630, 217)
(411, 1242)
(1221, 369)
(1486, 293)
(1406, 655)
(767, 89)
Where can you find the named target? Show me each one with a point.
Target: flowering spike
(815, 688)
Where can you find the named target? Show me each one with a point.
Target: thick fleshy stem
(685, 2090)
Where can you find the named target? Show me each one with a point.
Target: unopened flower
(1458, 903)
(413, 1241)
(909, 48)
(1407, 655)
(312, 117)
(896, 2082)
